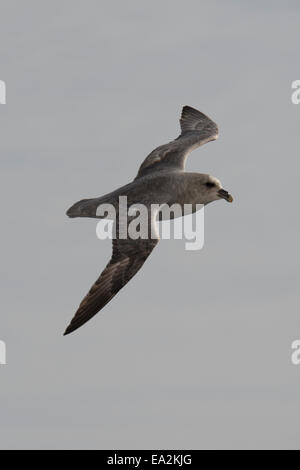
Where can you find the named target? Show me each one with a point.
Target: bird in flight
(161, 180)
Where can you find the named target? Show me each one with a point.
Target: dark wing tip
(76, 322)
(193, 120)
(189, 109)
(69, 330)
(189, 112)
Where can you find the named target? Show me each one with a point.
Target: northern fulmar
(161, 180)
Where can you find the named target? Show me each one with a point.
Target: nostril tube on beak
(225, 195)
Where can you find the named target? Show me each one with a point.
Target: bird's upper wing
(196, 129)
(127, 258)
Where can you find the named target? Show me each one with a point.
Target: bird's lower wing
(128, 257)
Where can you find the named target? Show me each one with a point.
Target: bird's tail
(97, 207)
(87, 208)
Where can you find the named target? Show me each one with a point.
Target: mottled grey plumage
(161, 180)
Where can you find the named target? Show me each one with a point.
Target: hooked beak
(225, 195)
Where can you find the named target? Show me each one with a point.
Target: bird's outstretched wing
(196, 129)
(127, 258)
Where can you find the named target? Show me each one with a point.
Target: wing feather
(196, 129)
(127, 259)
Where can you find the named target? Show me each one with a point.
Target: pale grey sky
(202, 359)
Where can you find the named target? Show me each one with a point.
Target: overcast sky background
(195, 352)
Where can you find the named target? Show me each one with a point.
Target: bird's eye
(209, 184)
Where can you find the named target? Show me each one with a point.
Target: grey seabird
(161, 179)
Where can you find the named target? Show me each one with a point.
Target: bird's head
(212, 190)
